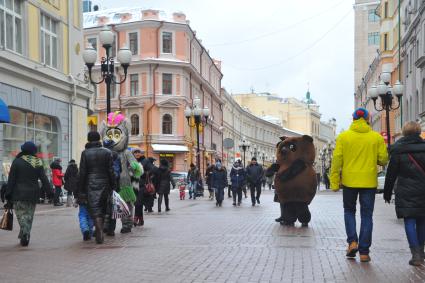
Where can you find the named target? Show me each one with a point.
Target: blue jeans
(415, 231)
(219, 194)
(192, 189)
(367, 204)
(86, 223)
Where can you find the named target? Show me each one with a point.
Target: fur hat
(93, 136)
(29, 147)
(361, 113)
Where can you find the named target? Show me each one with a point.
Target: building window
(26, 126)
(93, 42)
(167, 124)
(372, 16)
(385, 42)
(386, 10)
(134, 84)
(11, 25)
(167, 83)
(167, 42)
(134, 125)
(132, 38)
(49, 41)
(373, 38)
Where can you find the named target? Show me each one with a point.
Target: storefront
(175, 154)
(37, 118)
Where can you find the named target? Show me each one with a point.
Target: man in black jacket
(254, 174)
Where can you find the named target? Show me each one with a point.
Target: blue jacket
(237, 177)
(219, 178)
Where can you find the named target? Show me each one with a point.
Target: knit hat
(360, 113)
(164, 162)
(93, 136)
(254, 159)
(29, 147)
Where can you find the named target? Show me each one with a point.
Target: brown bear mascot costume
(295, 179)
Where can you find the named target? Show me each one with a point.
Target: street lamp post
(244, 146)
(200, 116)
(263, 156)
(106, 38)
(386, 92)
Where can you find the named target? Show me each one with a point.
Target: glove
(8, 205)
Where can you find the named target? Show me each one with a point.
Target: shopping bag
(119, 207)
(7, 220)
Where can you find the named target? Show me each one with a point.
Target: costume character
(295, 180)
(116, 131)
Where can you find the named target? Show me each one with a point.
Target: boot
(68, 201)
(417, 258)
(99, 230)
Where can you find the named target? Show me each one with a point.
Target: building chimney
(150, 14)
(179, 17)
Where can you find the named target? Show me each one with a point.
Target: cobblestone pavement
(198, 242)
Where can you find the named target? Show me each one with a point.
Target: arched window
(167, 124)
(134, 125)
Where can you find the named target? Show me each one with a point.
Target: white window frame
(173, 43)
(93, 37)
(51, 34)
(14, 15)
(138, 42)
(138, 85)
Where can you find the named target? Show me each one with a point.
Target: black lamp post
(200, 117)
(106, 38)
(244, 146)
(386, 92)
(263, 156)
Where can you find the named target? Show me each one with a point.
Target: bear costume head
(296, 179)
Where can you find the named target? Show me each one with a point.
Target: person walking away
(219, 182)
(57, 176)
(254, 174)
(357, 153)
(407, 167)
(71, 181)
(208, 174)
(165, 182)
(97, 180)
(154, 179)
(269, 181)
(238, 179)
(23, 191)
(193, 177)
(86, 222)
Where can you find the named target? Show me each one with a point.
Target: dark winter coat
(237, 177)
(254, 174)
(193, 175)
(24, 174)
(57, 174)
(219, 178)
(208, 174)
(165, 180)
(97, 178)
(406, 177)
(71, 178)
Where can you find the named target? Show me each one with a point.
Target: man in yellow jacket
(356, 157)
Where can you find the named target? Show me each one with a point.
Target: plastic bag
(119, 207)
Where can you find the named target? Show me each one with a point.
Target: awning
(169, 148)
(4, 112)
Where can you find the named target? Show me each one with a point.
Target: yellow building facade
(42, 79)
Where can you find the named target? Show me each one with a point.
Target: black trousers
(138, 205)
(58, 191)
(293, 211)
(237, 192)
(255, 188)
(166, 200)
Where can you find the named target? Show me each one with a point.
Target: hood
(93, 144)
(360, 126)
(237, 168)
(411, 144)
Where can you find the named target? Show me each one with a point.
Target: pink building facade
(169, 68)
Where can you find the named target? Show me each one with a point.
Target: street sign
(228, 143)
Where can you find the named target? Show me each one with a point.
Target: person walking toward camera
(356, 157)
(238, 179)
(23, 191)
(407, 166)
(165, 182)
(193, 177)
(255, 175)
(219, 182)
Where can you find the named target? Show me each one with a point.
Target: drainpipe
(70, 116)
(148, 118)
(399, 59)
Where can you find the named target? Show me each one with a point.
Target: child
(86, 223)
(182, 190)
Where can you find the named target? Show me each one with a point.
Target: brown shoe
(365, 258)
(352, 249)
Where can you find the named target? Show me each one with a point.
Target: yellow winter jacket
(357, 153)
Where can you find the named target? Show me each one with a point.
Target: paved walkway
(197, 242)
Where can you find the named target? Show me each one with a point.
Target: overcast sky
(277, 46)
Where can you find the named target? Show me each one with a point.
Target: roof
(114, 16)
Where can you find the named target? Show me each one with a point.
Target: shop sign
(166, 155)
